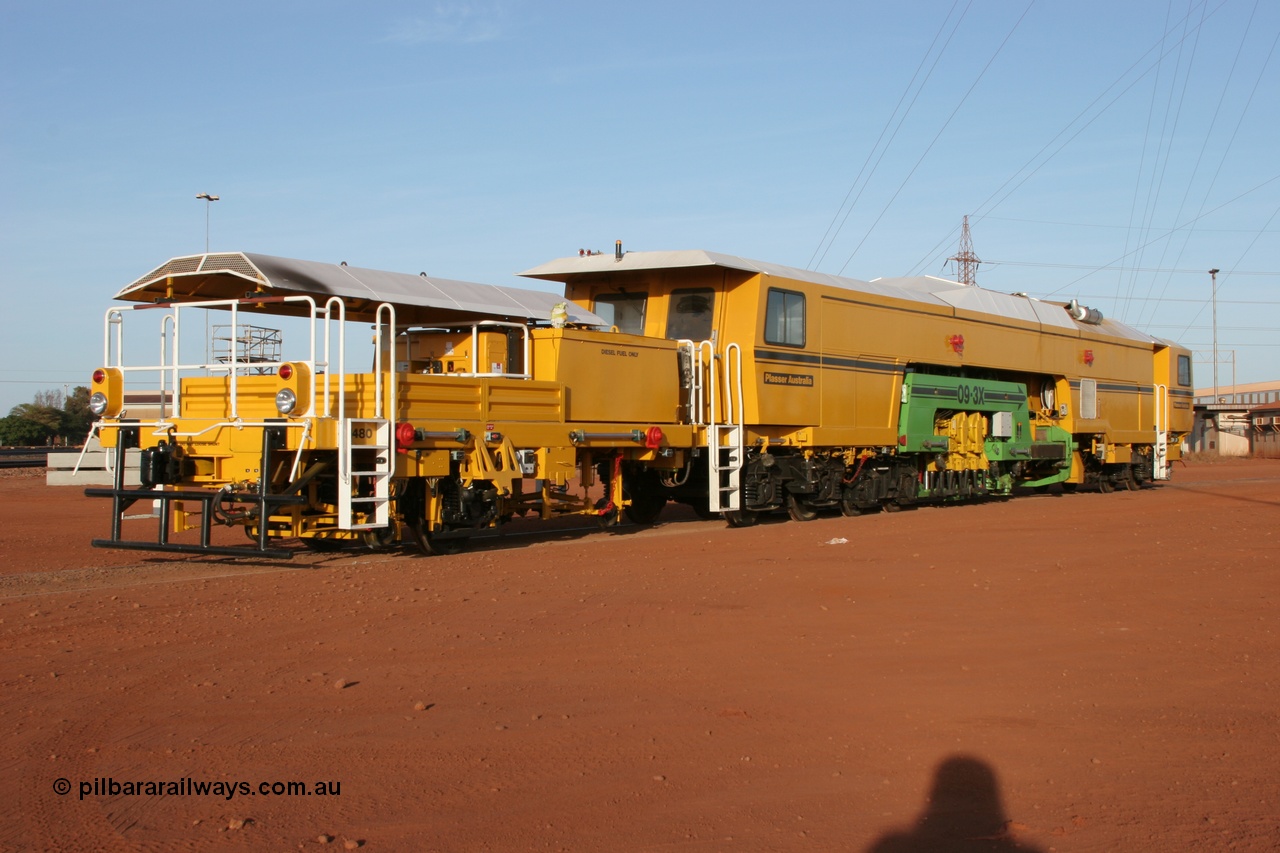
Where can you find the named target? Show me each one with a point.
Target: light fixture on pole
(208, 202)
(1213, 279)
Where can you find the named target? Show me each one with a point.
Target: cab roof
(929, 290)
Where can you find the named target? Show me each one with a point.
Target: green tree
(44, 422)
(18, 431)
(50, 415)
(76, 416)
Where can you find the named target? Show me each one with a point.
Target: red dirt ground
(1069, 673)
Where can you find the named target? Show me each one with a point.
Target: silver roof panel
(929, 290)
(419, 299)
(562, 269)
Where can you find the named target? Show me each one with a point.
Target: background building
(1241, 420)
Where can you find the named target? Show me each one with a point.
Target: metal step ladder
(365, 459)
(1160, 465)
(726, 453)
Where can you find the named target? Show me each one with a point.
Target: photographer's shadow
(964, 814)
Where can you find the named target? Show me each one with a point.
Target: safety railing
(706, 383)
(476, 372)
(1160, 465)
(709, 390)
(172, 368)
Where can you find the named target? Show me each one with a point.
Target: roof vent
(1082, 314)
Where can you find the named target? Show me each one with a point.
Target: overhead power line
(833, 230)
(928, 148)
(1115, 227)
(1031, 166)
(1097, 268)
(1191, 301)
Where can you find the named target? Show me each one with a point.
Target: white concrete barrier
(96, 467)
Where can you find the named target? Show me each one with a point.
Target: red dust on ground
(1080, 672)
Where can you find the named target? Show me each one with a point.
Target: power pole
(965, 260)
(1213, 295)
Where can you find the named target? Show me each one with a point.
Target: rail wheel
(645, 510)
(742, 517)
(607, 515)
(435, 543)
(646, 501)
(799, 510)
(380, 538)
(704, 512)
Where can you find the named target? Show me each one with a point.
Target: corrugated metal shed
(419, 300)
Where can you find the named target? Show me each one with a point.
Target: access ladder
(726, 452)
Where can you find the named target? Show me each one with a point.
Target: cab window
(623, 310)
(1184, 370)
(784, 318)
(689, 314)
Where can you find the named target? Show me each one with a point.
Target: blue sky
(1109, 151)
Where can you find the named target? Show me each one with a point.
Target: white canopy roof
(419, 300)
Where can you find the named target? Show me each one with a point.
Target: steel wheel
(432, 543)
(644, 508)
(799, 510)
(380, 538)
(323, 545)
(704, 512)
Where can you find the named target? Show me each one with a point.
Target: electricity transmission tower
(965, 260)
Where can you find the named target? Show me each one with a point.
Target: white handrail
(389, 410)
(170, 367)
(328, 358)
(232, 386)
(694, 348)
(165, 321)
(733, 371)
(1160, 463)
(1162, 408)
(713, 370)
(476, 372)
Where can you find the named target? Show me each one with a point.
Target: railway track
(30, 457)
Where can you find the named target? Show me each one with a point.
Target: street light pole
(208, 202)
(1213, 279)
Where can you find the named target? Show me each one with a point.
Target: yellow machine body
(734, 386)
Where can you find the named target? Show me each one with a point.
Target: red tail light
(404, 434)
(286, 371)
